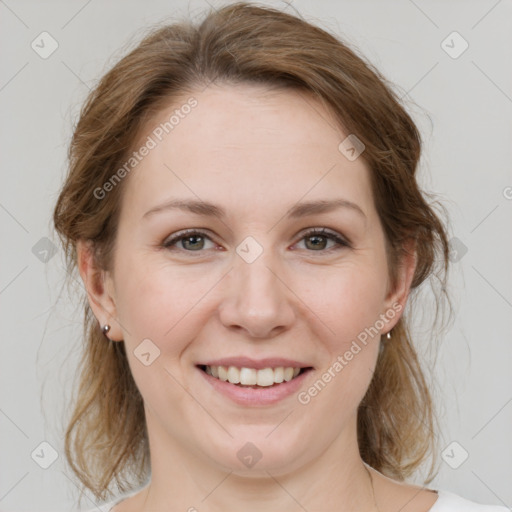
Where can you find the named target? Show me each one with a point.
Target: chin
(257, 453)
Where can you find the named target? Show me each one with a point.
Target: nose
(258, 300)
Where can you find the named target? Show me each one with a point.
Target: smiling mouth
(252, 378)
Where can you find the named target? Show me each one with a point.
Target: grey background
(464, 108)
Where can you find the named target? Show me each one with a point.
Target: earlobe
(97, 285)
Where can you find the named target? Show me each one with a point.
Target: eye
(317, 234)
(193, 240)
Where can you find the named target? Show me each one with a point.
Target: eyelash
(330, 235)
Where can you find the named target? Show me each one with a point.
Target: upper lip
(257, 364)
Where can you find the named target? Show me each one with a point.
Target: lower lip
(256, 396)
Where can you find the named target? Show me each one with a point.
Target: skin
(256, 153)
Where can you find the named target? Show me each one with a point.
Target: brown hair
(245, 43)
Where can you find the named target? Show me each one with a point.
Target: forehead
(246, 146)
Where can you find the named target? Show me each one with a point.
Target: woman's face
(253, 283)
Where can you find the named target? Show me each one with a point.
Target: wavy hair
(246, 43)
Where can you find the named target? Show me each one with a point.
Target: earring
(384, 342)
(105, 329)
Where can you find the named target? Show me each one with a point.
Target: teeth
(246, 376)
(264, 377)
(251, 376)
(223, 373)
(234, 375)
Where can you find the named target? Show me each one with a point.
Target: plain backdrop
(460, 97)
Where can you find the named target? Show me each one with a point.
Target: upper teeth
(251, 376)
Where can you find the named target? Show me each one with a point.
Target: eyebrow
(207, 209)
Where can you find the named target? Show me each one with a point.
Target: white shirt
(446, 502)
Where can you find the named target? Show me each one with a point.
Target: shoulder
(104, 507)
(410, 497)
(451, 502)
(111, 505)
(130, 501)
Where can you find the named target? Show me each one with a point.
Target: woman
(242, 208)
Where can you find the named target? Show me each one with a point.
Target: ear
(397, 298)
(100, 289)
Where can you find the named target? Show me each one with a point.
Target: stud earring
(384, 342)
(105, 329)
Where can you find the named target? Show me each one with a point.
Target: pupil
(192, 237)
(317, 237)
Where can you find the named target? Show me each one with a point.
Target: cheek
(352, 301)
(155, 306)
(351, 306)
(149, 303)
(163, 301)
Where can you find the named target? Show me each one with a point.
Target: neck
(336, 479)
